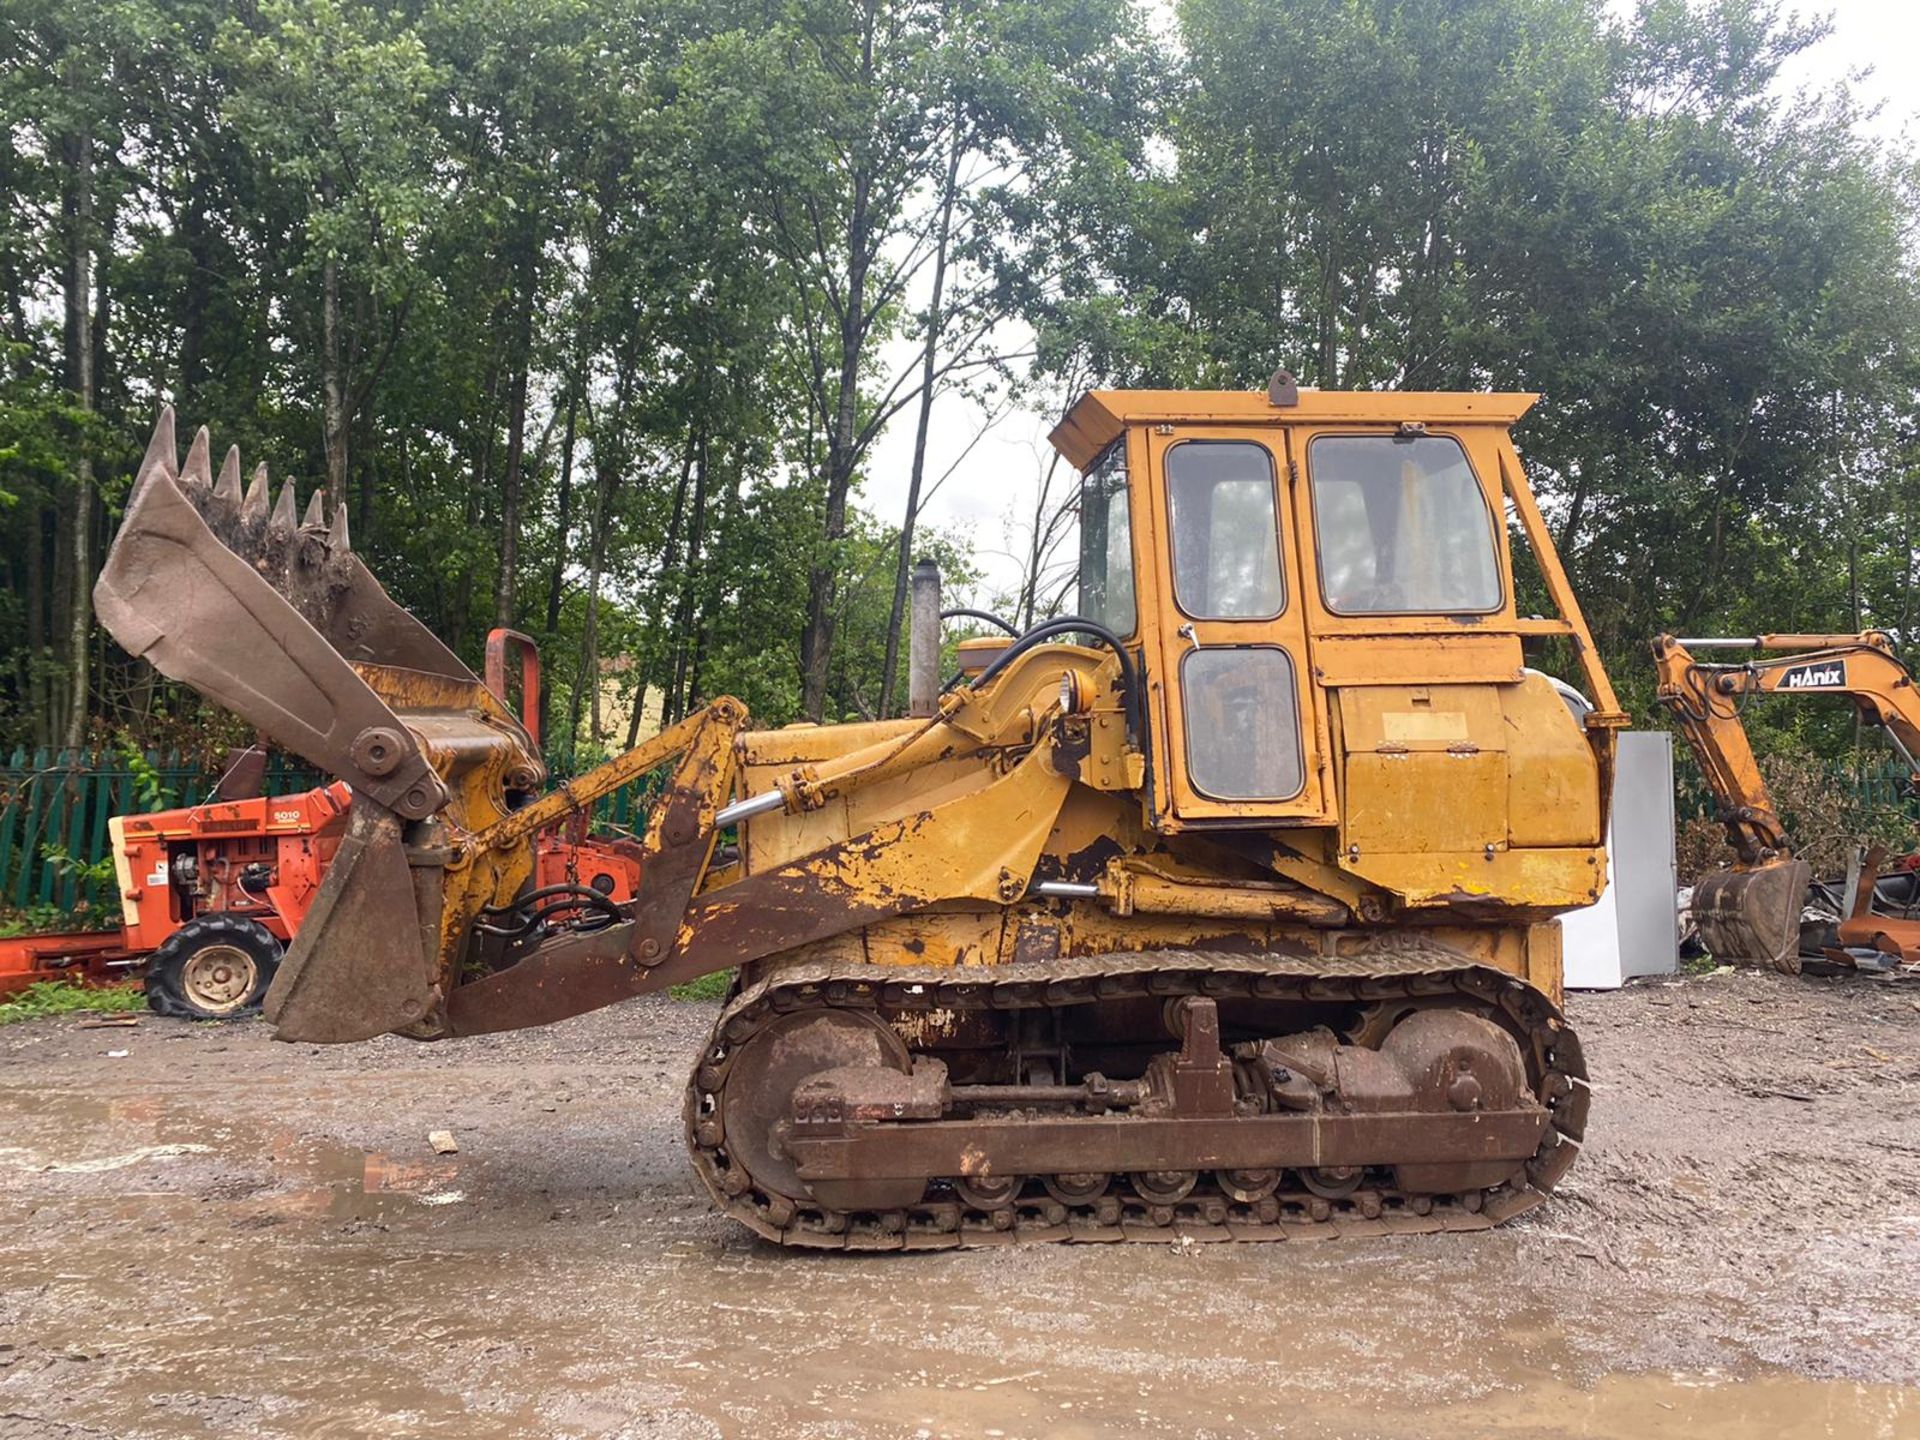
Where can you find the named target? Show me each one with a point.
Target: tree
(333, 101)
(1711, 284)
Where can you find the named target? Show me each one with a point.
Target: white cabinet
(1633, 930)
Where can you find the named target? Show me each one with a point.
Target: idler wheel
(988, 1192)
(1248, 1186)
(758, 1098)
(1164, 1187)
(1331, 1182)
(1078, 1189)
(1457, 1063)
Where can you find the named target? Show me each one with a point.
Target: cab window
(1402, 525)
(1226, 539)
(1106, 545)
(1242, 723)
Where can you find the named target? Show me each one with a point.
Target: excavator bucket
(269, 613)
(1752, 917)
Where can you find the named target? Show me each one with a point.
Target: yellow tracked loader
(1223, 908)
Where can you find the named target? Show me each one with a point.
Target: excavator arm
(1752, 912)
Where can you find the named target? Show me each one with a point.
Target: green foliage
(1829, 812)
(708, 987)
(1712, 284)
(594, 312)
(92, 874)
(52, 919)
(553, 294)
(148, 784)
(63, 997)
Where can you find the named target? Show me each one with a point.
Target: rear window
(1106, 545)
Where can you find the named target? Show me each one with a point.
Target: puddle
(396, 1295)
(272, 1172)
(1629, 1407)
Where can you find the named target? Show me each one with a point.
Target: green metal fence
(1869, 785)
(54, 808)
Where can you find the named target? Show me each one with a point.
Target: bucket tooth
(173, 592)
(226, 489)
(163, 451)
(285, 515)
(253, 510)
(197, 475)
(187, 554)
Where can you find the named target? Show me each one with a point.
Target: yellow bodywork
(1443, 786)
(1309, 727)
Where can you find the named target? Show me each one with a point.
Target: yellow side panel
(1544, 965)
(1421, 654)
(1553, 779)
(1426, 769)
(1425, 804)
(1528, 879)
(1459, 791)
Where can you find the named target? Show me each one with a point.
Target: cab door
(1243, 736)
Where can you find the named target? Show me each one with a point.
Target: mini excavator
(1224, 908)
(1750, 913)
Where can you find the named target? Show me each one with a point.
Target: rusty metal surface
(787, 1051)
(1866, 928)
(1752, 917)
(361, 964)
(1418, 1104)
(498, 641)
(981, 845)
(1002, 1145)
(172, 592)
(1136, 1177)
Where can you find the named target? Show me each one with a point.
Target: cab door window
(1225, 528)
(1242, 723)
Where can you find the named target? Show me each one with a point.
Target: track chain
(1386, 972)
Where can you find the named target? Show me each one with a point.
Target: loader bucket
(269, 613)
(1752, 917)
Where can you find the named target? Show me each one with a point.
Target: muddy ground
(215, 1235)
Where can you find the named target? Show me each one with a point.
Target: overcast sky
(998, 476)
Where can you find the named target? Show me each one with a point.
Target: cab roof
(1099, 417)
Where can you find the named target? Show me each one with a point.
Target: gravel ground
(211, 1234)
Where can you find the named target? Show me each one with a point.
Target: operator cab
(1261, 554)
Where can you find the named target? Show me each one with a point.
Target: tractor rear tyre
(213, 967)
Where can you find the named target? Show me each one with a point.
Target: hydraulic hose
(1077, 625)
(962, 613)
